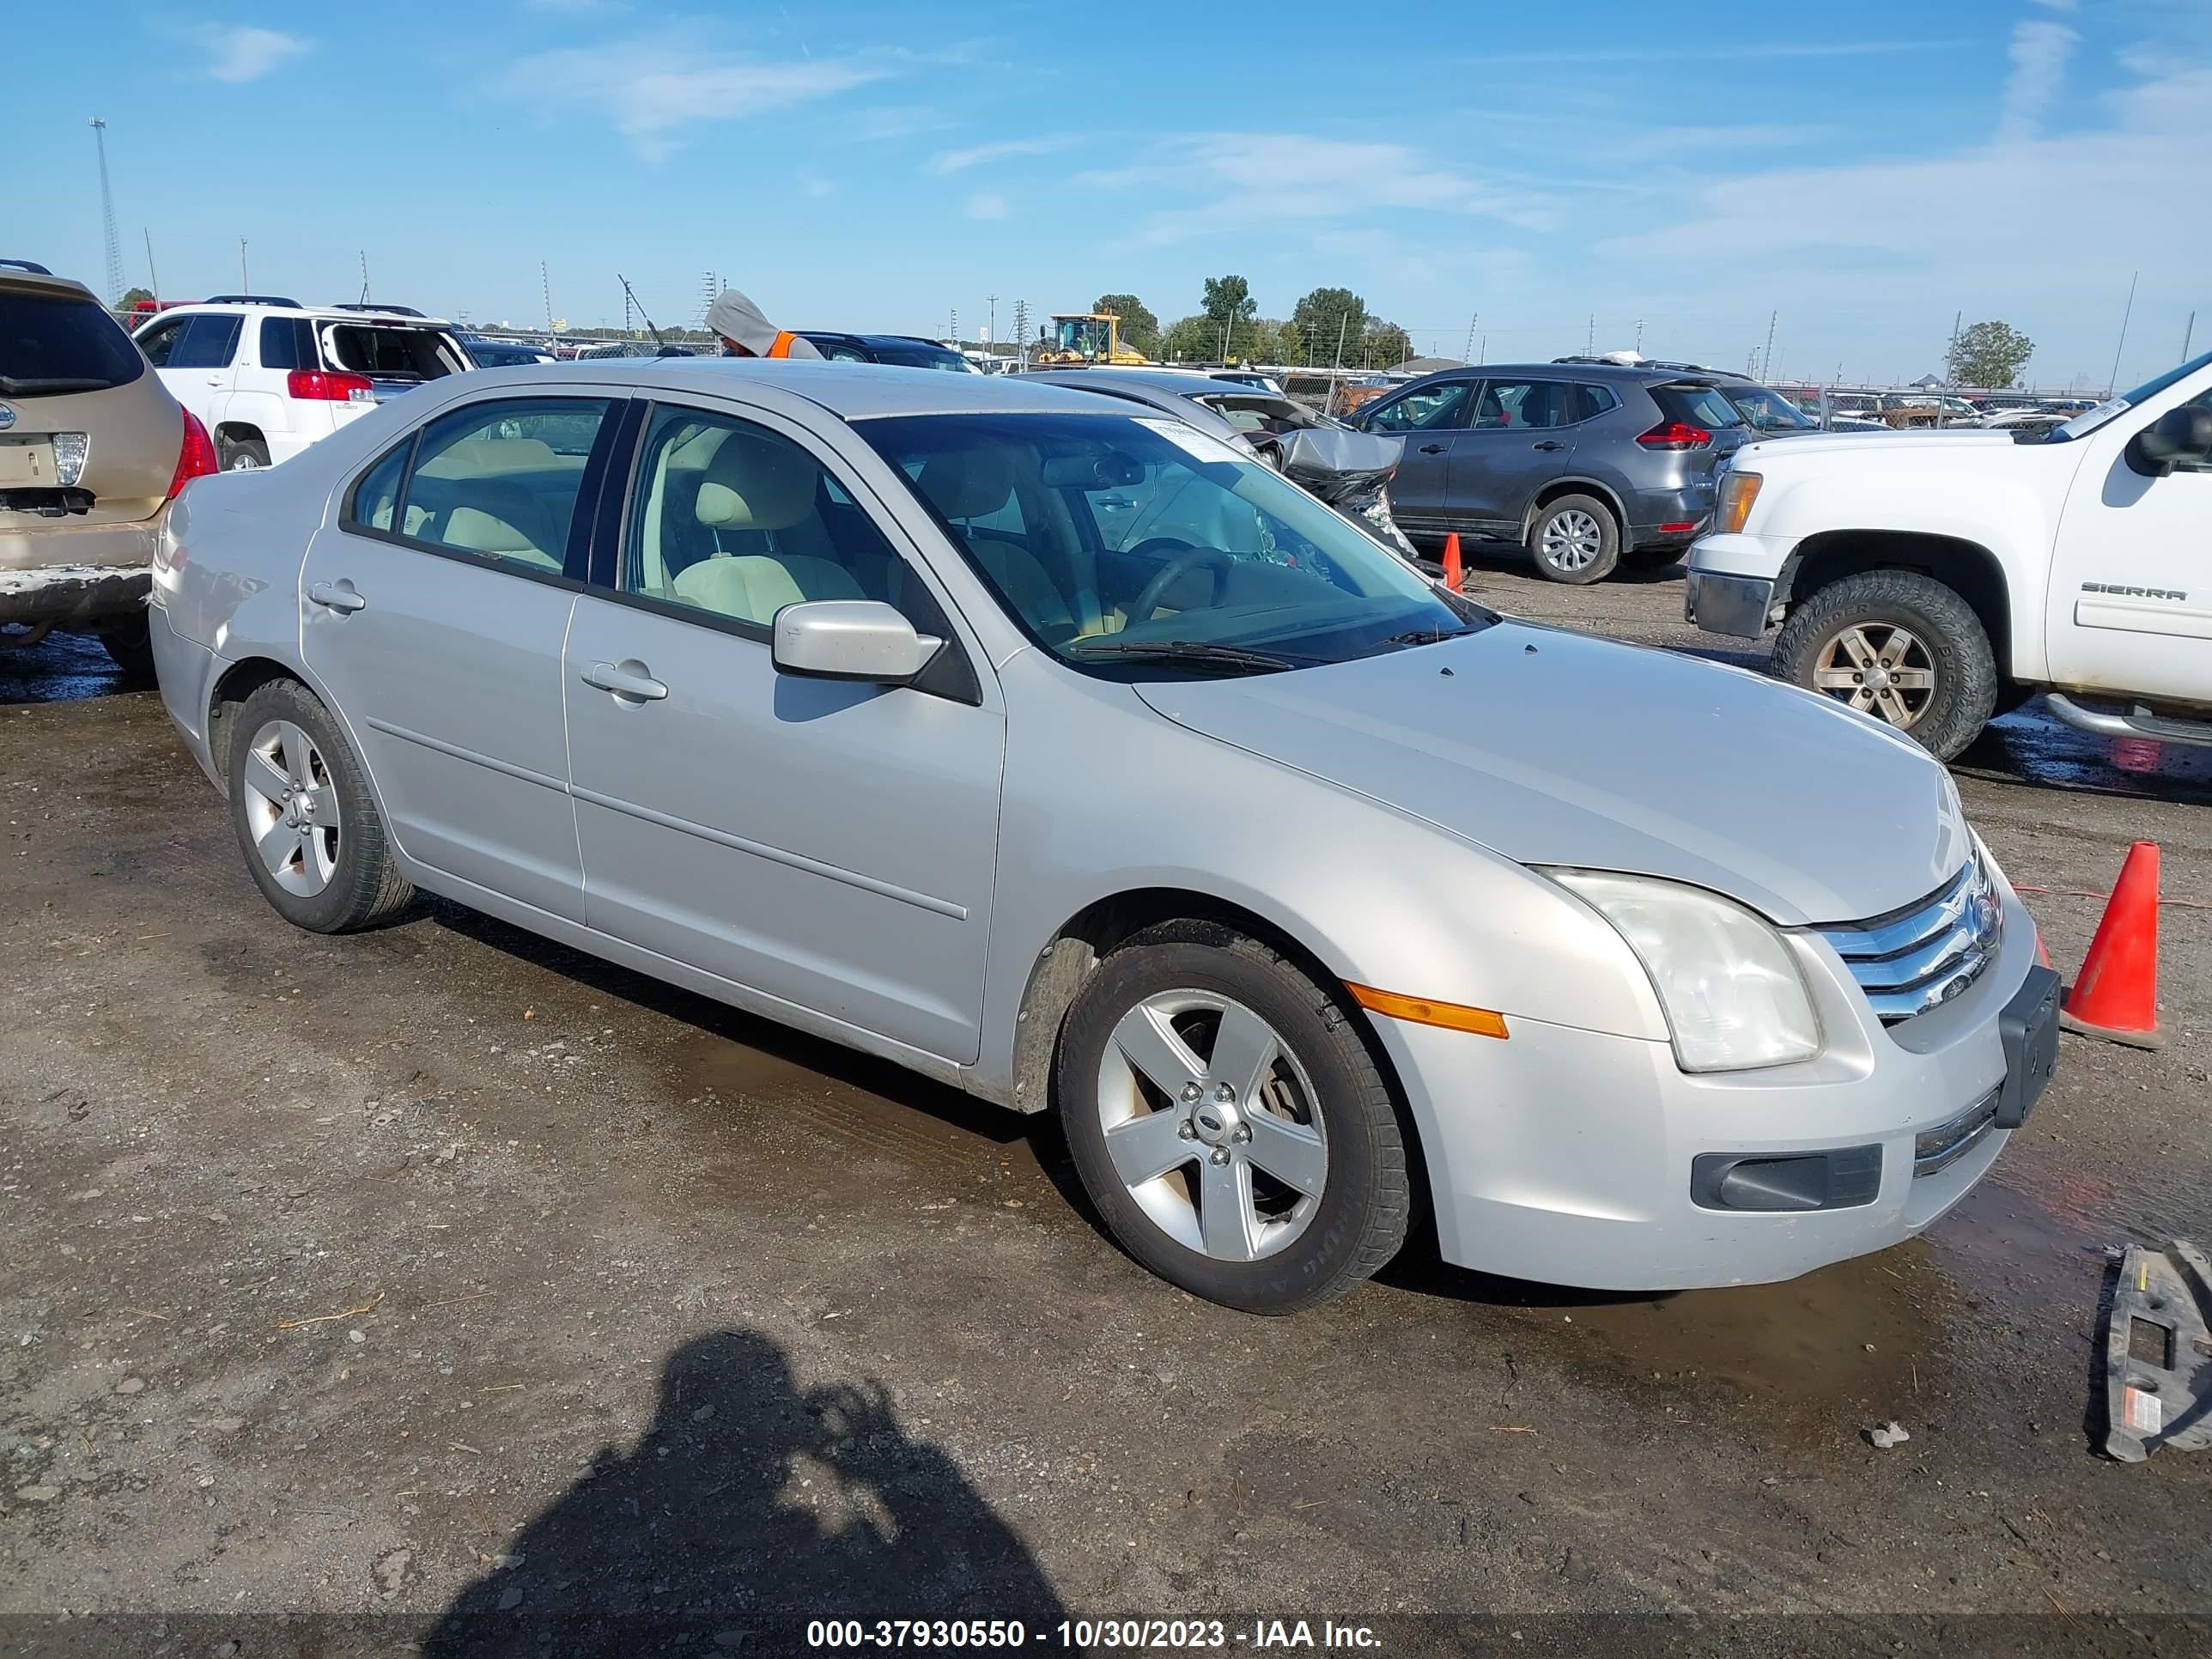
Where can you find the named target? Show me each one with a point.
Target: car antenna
(640, 304)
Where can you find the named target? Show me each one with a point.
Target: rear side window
(376, 497)
(1696, 405)
(53, 344)
(1592, 401)
(207, 341)
(496, 481)
(288, 342)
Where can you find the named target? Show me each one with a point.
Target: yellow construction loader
(1087, 338)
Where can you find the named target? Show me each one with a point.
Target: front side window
(1431, 408)
(1132, 545)
(207, 341)
(735, 521)
(498, 481)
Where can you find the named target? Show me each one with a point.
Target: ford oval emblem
(7, 418)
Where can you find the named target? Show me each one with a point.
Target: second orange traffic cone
(1453, 572)
(2116, 994)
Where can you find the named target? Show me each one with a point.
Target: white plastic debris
(1887, 1435)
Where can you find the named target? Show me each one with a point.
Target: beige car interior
(509, 498)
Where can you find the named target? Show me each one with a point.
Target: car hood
(1554, 748)
(1949, 439)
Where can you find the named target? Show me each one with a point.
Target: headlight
(1733, 996)
(1738, 491)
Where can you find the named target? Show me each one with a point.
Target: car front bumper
(1571, 1157)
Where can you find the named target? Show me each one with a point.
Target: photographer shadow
(746, 1509)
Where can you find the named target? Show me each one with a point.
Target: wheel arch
(1966, 568)
(239, 431)
(1576, 484)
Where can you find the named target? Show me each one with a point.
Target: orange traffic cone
(2116, 995)
(1453, 572)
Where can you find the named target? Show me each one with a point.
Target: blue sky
(1866, 172)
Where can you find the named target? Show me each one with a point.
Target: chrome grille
(1916, 958)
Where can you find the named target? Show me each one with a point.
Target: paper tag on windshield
(1202, 446)
(2090, 419)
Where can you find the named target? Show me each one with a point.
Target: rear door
(195, 355)
(1430, 418)
(433, 610)
(1521, 437)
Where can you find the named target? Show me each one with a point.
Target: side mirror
(850, 640)
(2180, 437)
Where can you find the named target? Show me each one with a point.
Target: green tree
(1290, 345)
(1192, 339)
(1386, 344)
(1139, 328)
(1988, 355)
(1229, 299)
(1326, 313)
(131, 296)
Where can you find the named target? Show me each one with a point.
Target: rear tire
(306, 820)
(243, 454)
(1277, 1196)
(1942, 687)
(128, 640)
(1575, 539)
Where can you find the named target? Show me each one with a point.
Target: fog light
(69, 450)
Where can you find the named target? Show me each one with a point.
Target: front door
(1429, 418)
(828, 844)
(193, 355)
(435, 610)
(1521, 437)
(2131, 607)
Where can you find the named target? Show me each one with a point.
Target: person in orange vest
(745, 332)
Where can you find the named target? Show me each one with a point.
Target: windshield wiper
(24, 386)
(1430, 635)
(1189, 650)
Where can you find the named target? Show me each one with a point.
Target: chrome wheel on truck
(1879, 669)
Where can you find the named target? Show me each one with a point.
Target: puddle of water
(2028, 746)
(60, 668)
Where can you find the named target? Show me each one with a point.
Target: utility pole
(244, 283)
(1639, 337)
(1469, 353)
(1767, 357)
(1022, 335)
(1590, 340)
(2187, 335)
(107, 215)
(545, 288)
(154, 280)
(991, 328)
(2122, 345)
(952, 327)
(364, 276)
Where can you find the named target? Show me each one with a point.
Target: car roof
(20, 281)
(320, 313)
(853, 392)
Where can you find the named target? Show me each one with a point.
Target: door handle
(627, 678)
(339, 597)
(1550, 443)
(1432, 449)
(215, 379)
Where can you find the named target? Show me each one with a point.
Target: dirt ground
(441, 1286)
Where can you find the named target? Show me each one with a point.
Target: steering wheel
(1188, 560)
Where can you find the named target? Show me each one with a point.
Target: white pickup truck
(1933, 579)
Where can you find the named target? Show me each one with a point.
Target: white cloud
(956, 161)
(648, 88)
(1749, 135)
(240, 52)
(987, 206)
(1240, 179)
(2039, 52)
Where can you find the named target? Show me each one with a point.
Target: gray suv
(1589, 465)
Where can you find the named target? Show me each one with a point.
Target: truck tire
(1899, 646)
(1575, 539)
(1272, 1196)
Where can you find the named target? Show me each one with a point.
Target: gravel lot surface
(451, 1284)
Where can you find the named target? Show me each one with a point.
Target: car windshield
(1136, 547)
(1768, 411)
(2090, 419)
(53, 344)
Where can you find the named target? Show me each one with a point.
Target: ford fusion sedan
(1056, 750)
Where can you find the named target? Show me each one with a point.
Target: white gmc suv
(268, 377)
(1932, 579)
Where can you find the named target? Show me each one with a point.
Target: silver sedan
(1056, 750)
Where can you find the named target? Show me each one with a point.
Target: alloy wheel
(292, 808)
(1212, 1125)
(1572, 540)
(1878, 668)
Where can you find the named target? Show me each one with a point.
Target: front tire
(1575, 539)
(1229, 1122)
(313, 839)
(1899, 646)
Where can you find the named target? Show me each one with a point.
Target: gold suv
(93, 448)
